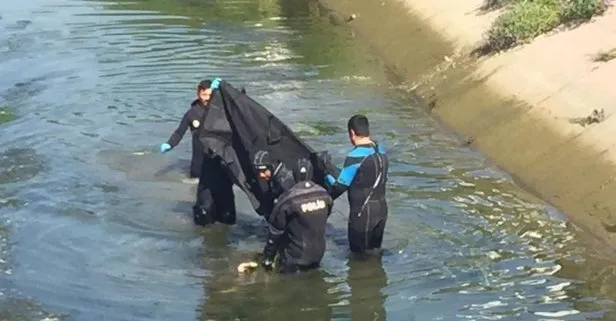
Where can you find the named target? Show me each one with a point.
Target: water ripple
(101, 225)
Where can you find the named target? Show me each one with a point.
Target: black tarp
(235, 127)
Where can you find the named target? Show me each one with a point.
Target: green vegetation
(6, 115)
(524, 20)
(605, 56)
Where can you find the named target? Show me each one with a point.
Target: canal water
(96, 223)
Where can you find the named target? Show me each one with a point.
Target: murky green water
(93, 231)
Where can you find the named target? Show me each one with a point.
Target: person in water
(299, 217)
(215, 197)
(278, 177)
(364, 177)
(192, 119)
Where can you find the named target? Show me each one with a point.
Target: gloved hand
(266, 262)
(216, 83)
(164, 147)
(269, 254)
(321, 160)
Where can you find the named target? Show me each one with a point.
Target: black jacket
(297, 223)
(192, 119)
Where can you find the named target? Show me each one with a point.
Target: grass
(523, 20)
(605, 56)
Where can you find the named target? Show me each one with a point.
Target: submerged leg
(205, 206)
(196, 161)
(225, 201)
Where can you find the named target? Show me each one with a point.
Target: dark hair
(359, 124)
(204, 84)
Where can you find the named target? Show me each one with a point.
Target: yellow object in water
(247, 266)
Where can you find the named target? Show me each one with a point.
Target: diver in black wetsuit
(279, 178)
(215, 196)
(364, 177)
(297, 222)
(192, 119)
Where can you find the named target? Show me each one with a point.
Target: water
(96, 223)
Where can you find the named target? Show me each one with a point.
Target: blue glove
(216, 83)
(164, 147)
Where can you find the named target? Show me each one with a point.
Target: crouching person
(297, 223)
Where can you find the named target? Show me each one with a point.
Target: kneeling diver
(298, 220)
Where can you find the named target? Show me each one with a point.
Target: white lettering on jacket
(313, 206)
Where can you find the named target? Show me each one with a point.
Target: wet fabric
(215, 196)
(191, 120)
(235, 127)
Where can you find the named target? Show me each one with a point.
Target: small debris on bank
(594, 118)
(469, 141)
(351, 18)
(605, 55)
(609, 228)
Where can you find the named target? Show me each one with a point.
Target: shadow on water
(367, 279)
(156, 168)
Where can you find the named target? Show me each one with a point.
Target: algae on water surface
(6, 114)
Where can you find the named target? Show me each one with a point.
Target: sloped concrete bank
(524, 109)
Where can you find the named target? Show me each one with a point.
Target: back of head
(360, 125)
(302, 170)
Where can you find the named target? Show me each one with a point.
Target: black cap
(262, 160)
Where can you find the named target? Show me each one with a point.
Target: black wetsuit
(215, 196)
(282, 181)
(192, 117)
(297, 227)
(364, 177)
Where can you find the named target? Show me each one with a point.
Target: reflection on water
(260, 295)
(97, 222)
(367, 279)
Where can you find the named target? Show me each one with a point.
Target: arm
(330, 206)
(277, 222)
(340, 184)
(177, 135)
